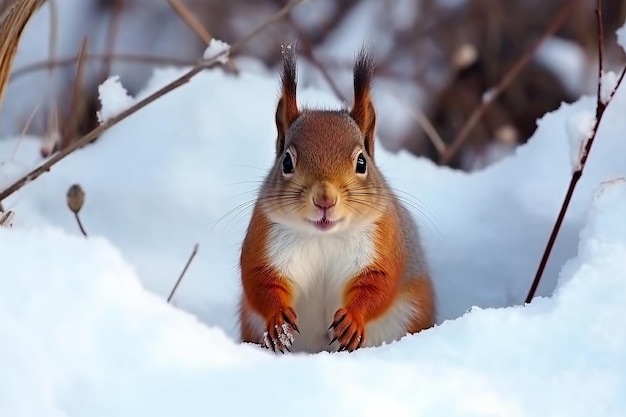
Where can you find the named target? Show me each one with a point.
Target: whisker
(422, 214)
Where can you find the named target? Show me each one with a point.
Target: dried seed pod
(75, 198)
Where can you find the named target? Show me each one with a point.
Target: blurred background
(438, 62)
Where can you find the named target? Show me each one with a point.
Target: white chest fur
(318, 265)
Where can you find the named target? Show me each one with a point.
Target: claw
(344, 333)
(337, 322)
(291, 322)
(352, 339)
(340, 336)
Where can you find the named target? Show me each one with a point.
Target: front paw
(279, 330)
(348, 329)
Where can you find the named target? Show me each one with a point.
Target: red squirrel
(331, 260)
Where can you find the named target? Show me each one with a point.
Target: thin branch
(576, 175)
(506, 80)
(132, 58)
(278, 16)
(182, 274)
(424, 123)
(182, 80)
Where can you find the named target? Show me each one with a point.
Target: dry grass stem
(182, 80)
(190, 20)
(70, 127)
(182, 274)
(111, 36)
(15, 14)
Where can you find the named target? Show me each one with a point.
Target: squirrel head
(324, 177)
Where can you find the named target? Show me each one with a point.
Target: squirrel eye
(287, 164)
(361, 166)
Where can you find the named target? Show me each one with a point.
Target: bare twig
(182, 274)
(132, 58)
(27, 124)
(424, 123)
(506, 80)
(278, 16)
(576, 175)
(180, 81)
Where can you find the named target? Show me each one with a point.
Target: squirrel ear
(287, 109)
(363, 111)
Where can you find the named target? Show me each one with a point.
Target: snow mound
(87, 340)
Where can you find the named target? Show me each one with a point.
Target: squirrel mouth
(324, 223)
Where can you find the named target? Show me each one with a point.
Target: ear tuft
(287, 109)
(363, 111)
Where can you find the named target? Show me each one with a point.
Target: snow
(87, 332)
(113, 97)
(579, 130)
(608, 82)
(569, 62)
(217, 49)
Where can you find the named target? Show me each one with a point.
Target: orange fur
(370, 294)
(266, 292)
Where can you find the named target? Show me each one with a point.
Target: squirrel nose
(325, 202)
